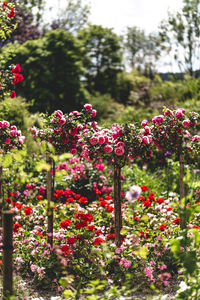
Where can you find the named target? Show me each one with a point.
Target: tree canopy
(52, 66)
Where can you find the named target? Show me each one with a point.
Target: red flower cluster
(65, 223)
(16, 227)
(162, 227)
(98, 241)
(28, 211)
(176, 221)
(11, 14)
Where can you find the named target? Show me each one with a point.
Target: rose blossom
(158, 119)
(108, 149)
(146, 140)
(94, 140)
(61, 121)
(144, 123)
(119, 151)
(88, 106)
(186, 123)
(58, 113)
(179, 113)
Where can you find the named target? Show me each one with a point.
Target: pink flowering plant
(10, 137)
(117, 144)
(171, 130)
(62, 131)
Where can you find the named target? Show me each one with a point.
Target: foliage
(7, 13)
(73, 17)
(142, 50)
(16, 112)
(52, 67)
(181, 33)
(102, 58)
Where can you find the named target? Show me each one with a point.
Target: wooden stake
(7, 253)
(49, 199)
(182, 190)
(1, 194)
(117, 204)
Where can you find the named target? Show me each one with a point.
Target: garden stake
(182, 190)
(1, 194)
(117, 204)
(49, 199)
(7, 253)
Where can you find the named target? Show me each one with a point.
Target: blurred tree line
(67, 62)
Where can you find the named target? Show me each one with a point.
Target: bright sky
(118, 14)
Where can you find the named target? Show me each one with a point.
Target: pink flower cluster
(63, 130)
(10, 136)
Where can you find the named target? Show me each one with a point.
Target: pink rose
(13, 133)
(195, 138)
(147, 130)
(73, 151)
(7, 141)
(5, 124)
(179, 113)
(158, 119)
(94, 112)
(119, 151)
(146, 140)
(58, 113)
(108, 148)
(94, 140)
(61, 121)
(101, 139)
(186, 123)
(13, 128)
(21, 139)
(144, 123)
(168, 112)
(88, 107)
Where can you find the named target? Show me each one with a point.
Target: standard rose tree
(117, 145)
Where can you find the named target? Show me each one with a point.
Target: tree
(27, 23)
(73, 17)
(142, 50)
(181, 35)
(52, 67)
(102, 58)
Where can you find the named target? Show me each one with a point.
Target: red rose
(65, 223)
(160, 200)
(28, 211)
(144, 188)
(4, 5)
(162, 227)
(176, 221)
(147, 203)
(16, 69)
(98, 241)
(13, 94)
(17, 78)
(16, 226)
(12, 13)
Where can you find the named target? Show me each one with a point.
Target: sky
(118, 14)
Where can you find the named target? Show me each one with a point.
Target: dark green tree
(102, 58)
(52, 68)
(181, 35)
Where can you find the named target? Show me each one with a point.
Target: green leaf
(142, 252)
(7, 160)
